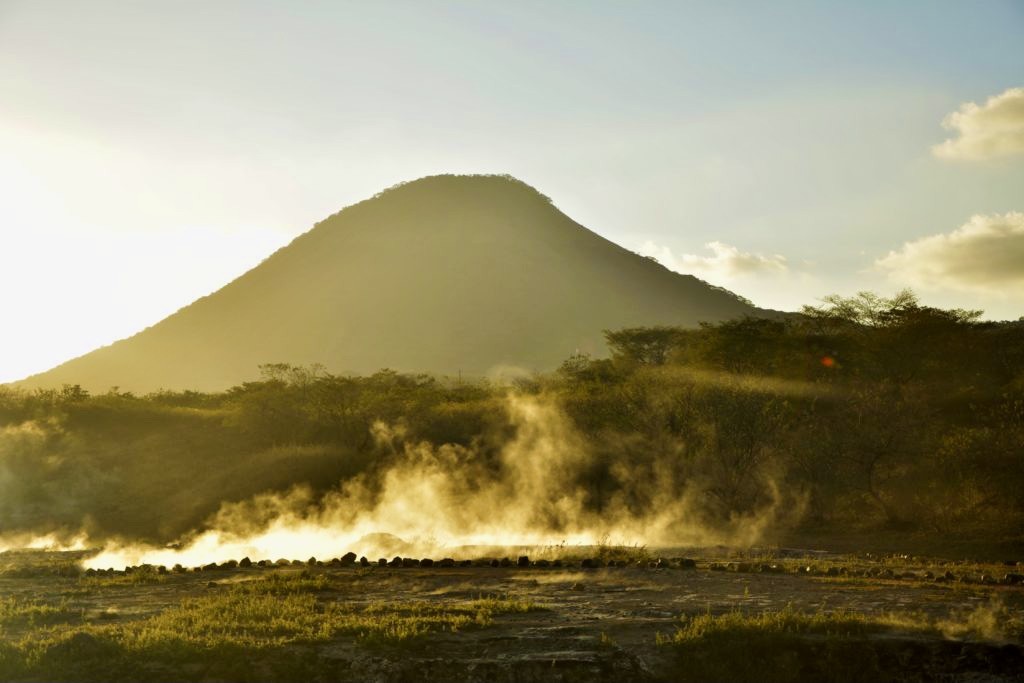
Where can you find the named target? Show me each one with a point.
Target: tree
(645, 345)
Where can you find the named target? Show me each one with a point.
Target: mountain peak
(444, 274)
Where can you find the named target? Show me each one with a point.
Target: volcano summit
(444, 274)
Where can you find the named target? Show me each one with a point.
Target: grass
(235, 632)
(703, 628)
(16, 612)
(792, 645)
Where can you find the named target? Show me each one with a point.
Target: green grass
(17, 612)
(235, 632)
(704, 628)
(791, 645)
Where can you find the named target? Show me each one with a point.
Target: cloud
(985, 254)
(993, 129)
(725, 261)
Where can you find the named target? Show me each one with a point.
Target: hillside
(445, 274)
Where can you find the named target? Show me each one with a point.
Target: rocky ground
(590, 620)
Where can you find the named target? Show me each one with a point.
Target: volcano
(446, 274)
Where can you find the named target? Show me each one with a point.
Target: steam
(428, 499)
(992, 622)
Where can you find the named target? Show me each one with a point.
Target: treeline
(876, 411)
(859, 413)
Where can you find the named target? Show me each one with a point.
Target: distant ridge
(442, 274)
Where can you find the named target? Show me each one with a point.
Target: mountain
(444, 274)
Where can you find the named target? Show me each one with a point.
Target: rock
(495, 563)
(410, 562)
(245, 563)
(363, 562)
(589, 563)
(348, 558)
(230, 564)
(297, 563)
(505, 562)
(336, 562)
(396, 561)
(523, 561)
(426, 562)
(446, 563)
(1013, 579)
(209, 567)
(382, 562)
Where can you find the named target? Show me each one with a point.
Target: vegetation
(234, 632)
(864, 412)
(793, 645)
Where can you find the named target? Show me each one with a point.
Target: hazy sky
(152, 151)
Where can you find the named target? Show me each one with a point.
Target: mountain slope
(443, 274)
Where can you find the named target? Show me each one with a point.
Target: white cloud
(725, 261)
(985, 254)
(993, 129)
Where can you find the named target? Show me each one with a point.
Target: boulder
(523, 561)
(245, 563)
